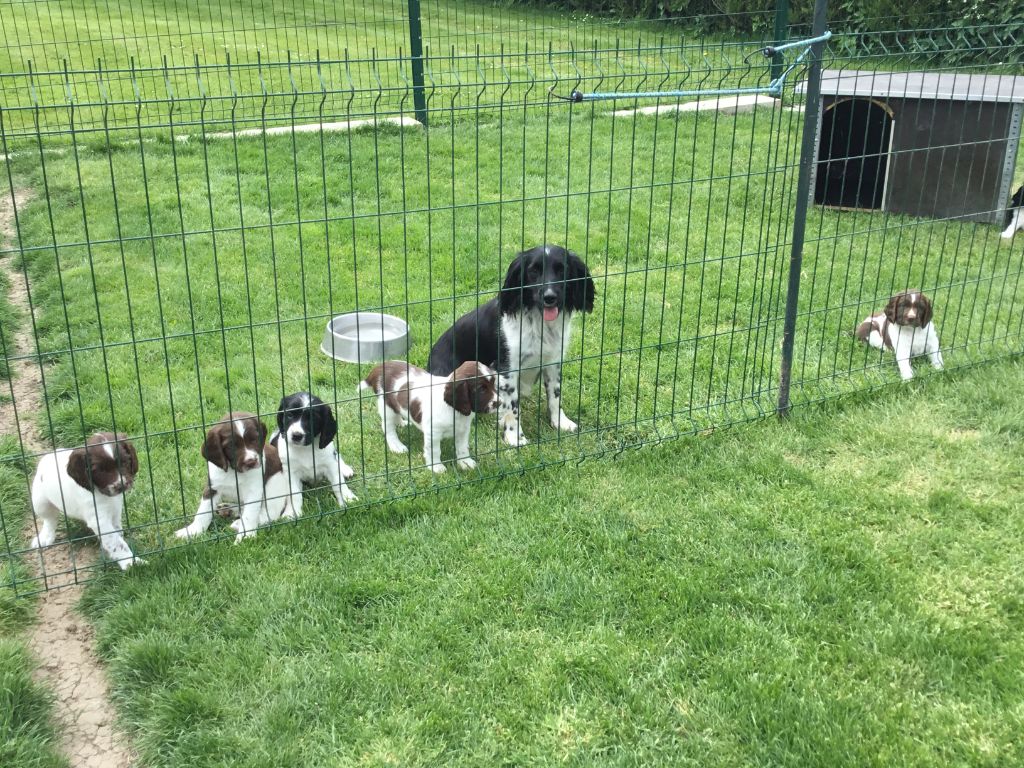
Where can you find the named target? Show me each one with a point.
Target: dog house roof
(953, 86)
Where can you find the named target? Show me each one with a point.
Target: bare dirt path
(61, 639)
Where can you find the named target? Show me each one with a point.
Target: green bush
(747, 16)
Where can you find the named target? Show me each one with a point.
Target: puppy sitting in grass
(905, 327)
(441, 406)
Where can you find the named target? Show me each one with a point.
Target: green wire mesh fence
(190, 196)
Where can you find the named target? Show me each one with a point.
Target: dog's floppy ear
(511, 297)
(457, 394)
(78, 468)
(129, 458)
(926, 310)
(212, 449)
(328, 425)
(892, 308)
(263, 433)
(581, 284)
(280, 414)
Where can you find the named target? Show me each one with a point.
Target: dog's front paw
(466, 463)
(514, 436)
(565, 424)
(187, 533)
(438, 468)
(346, 471)
(128, 562)
(345, 496)
(243, 535)
(42, 540)
(395, 447)
(290, 512)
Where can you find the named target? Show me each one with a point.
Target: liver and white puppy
(304, 439)
(241, 468)
(905, 327)
(523, 332)
(441, 406)
(1014, 214)
(87, 484)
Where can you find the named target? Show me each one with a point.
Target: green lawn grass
(840, 589)
(27, 735)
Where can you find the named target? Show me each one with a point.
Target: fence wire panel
(914, 174)
(187, 204)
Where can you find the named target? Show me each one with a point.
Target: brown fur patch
(225, 448)
(470, 389)
(901, 305)
(383, 379)
(93, 468)
(271, 463)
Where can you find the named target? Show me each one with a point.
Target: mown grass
(840, 589)
(27, 735)
(8, 322)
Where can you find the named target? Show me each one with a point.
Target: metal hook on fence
(554, 72)
(482, 75)
(575, 68)
(405, 86)
(323, 84)
(664, 63)
(505, 74)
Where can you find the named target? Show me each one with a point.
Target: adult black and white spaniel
(441, 406)
(1014, 214)
(87, 484)
(304, 439)
(523, 332)
(905, 327)
(241, 468)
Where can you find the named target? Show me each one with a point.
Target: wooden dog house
(937, 145)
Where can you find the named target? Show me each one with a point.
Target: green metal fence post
(803, 187)
(419, 97)
(781, 25)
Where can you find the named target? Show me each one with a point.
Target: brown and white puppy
(242, 469)
(441, 406)
(905, 327)
(87, 484)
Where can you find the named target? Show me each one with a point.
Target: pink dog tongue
(550, 313)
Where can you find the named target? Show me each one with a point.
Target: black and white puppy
(87, 484)
(304, 439)
(905, 327)
(523, 332)
(1014, 214)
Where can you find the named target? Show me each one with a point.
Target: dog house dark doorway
(853, 154)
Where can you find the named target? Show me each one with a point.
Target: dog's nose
(550, 298)
(250, 463)
(297, 437)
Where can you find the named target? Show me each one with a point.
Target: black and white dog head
(550, 280)
(303, 418)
